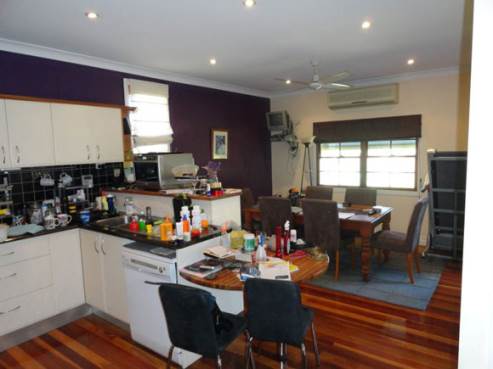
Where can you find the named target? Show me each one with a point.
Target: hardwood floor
(353, 332)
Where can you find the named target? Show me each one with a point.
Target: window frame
(363, 166)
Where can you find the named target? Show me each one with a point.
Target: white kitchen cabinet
(92, 267)
(5, 162)
(30, 133)
(115, 289)
(67, 270)
(104, 279)
(107, 134)
(72, 134)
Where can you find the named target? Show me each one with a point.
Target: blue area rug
(388, 282)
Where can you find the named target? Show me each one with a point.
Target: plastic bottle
(179, 230)
(196, 218)
(204, 222)
(261, 255)
(166, 229)
(186, 224)
(225, 241)
(142, 222)
(286, 238)
(278, 232)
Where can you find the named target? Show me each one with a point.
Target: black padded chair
(196, 324)
(322, 229)
(405, 243)
(319, 192)
(361, 196)
(275, 211)
(275, 314)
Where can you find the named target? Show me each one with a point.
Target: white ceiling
(277, 38)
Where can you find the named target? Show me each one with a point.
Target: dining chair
(247, 200)
(406, 243)
(196, 324)
(275, 211)
(361, 196)
(357, 196)
(275, 314)
(321, 225)
(319, 192)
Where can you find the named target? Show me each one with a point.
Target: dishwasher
(146, 264)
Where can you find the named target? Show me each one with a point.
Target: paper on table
(275, 270)
(343, 215)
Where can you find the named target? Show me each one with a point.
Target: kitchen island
(219, 209)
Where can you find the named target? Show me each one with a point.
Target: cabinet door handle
(88, 152)
(9, 276)
(11, 310)
(8, 253)
(96, 247)
(98, 148)
(4, 155)
(18, 151)
(102, 247)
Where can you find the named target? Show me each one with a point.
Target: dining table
(361, 220)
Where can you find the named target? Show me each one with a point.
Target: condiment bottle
(278, 231)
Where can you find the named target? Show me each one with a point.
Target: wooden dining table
(360, 222)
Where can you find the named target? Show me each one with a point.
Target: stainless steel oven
(154, 170)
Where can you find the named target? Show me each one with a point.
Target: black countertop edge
(176, 245)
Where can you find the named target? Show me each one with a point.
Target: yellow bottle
(166, 230)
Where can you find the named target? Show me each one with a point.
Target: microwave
(155, 170)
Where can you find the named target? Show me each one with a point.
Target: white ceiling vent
(366, 96)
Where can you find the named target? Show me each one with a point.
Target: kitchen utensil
(4, 229)
(65, 179)
(87, 181)
(46, 180)
(64, 219)
(50, 222)
(36, 214)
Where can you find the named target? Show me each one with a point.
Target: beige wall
(444, 127)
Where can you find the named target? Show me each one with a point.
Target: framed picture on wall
(219, 144)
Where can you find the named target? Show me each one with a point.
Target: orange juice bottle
(204, 221)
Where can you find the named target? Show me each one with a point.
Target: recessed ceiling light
(410, 61)
(288, 81)
(366, 24)
(212, 61)
(249, 3)
(92, 15)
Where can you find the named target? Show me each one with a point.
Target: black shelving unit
(447, 174)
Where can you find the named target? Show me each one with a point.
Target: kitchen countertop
(138, 191)
(211, 232)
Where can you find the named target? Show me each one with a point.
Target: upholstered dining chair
(275, 211)
(321, 222)
(275, 314)
(319, 192)
(357, 196)
(196, 324)
(361, 196)
(406, 243)
(247, 200)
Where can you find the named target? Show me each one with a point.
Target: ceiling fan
(317, 83)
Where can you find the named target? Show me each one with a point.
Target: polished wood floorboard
(353, 332)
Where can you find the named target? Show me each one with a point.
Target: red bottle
(278, 232)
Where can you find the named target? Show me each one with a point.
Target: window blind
(368, 129)
(150, 123)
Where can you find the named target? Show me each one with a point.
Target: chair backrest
(321, 222)
(274, 311)
(247, 198)
(189, 314)
(361, 196)
(319, 192)
(275, 211)
(415, 223)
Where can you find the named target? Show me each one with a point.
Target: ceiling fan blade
(336, 77)
(339, 85)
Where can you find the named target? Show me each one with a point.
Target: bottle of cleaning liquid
(286, 238)
(261, 255)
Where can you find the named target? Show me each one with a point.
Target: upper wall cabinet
(30, 133)
(4, 139)
(87, 134)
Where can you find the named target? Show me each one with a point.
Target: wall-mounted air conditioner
(365, 96)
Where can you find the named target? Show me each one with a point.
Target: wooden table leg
(365, 234)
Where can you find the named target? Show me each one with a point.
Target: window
(377, 163)
(149, 124)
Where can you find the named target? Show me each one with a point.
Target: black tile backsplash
(27, 189)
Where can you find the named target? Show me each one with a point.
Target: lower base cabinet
(104, 278)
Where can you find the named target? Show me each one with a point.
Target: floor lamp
(305, 154)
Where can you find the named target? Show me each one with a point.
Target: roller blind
(149, 124)
(368, 129)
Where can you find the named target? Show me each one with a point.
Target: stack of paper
(219, 252)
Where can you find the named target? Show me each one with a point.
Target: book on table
(203, 268)
(219, 252)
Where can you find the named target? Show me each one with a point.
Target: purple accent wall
(194, 111)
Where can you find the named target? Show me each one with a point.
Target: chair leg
(315, 345)
(170, 357)
(249, 352)
(219, 364)
(283, 355)
(352, 248)
(380, 257)
(410, 261)
(303, 356)
(416, 261)
(338, 256)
